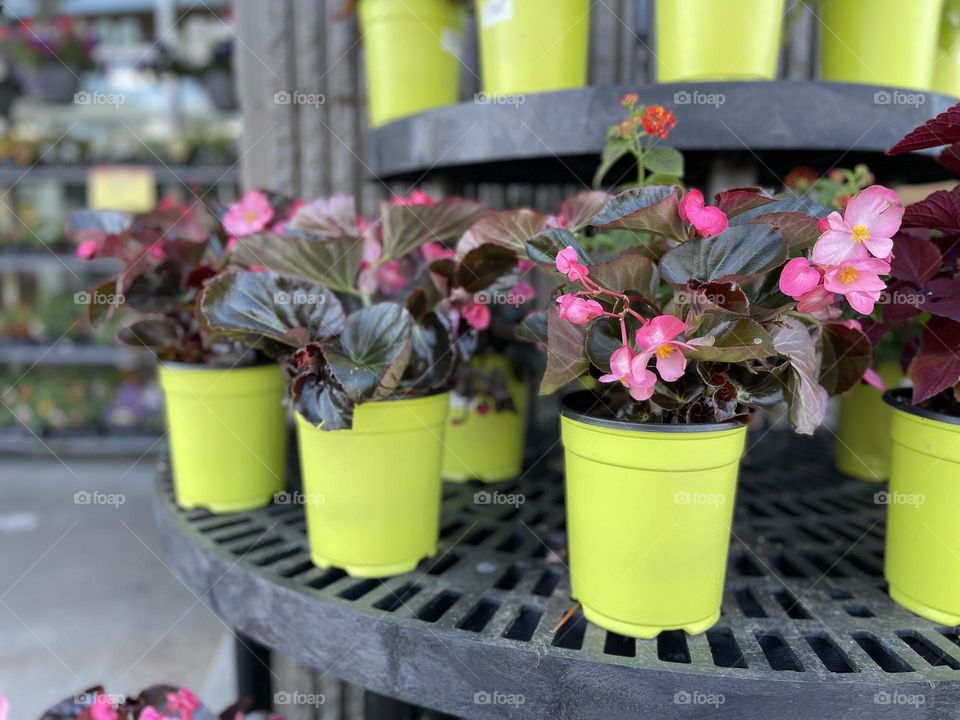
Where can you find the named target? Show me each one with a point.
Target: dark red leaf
(936, 366)
(945, 298)
(939, 211)
(944, 129)
(739, 200)
(950, 158)
(915, 259)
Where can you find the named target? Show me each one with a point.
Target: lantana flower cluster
(849, 258)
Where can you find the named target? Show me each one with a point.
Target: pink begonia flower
(183, 702)
(249, 215)
(872, 377)
(150, 713)
(432, 251)
(157, 251)
(799, 277)
(88, 249)
(705, 219)
(657, 338)
(4, 707)
(815, 301)
(523, 292)
(477, 316)
(568, 262)
(630, 369)
(577, 310)
(558, 221)
(859, 281)
(525, 265)
(390, 276)
(867, 227)
(417, 197)
(102, 709)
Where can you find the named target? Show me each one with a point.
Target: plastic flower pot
(921, 562)
(228, 434)
(718, 39)
(372, 493)
(53, 83)
(512, 62)
(879, 42)
(863, 438)
(649, 509)
(486, 446)
(412, 55)
(946, 71)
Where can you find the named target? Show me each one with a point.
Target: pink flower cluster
(657, 338)
(853, 251)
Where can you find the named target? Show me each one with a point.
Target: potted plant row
(49, 56)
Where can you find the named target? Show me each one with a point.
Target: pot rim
(203, 367)
(571, 406)
(898, 400)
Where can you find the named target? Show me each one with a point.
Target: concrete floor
(85, 598)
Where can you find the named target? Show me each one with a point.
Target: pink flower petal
(661, 329)
(672, 366)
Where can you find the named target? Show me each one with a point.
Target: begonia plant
(166, 257)
(719, 308)
(350, 302)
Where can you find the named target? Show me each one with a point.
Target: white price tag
(494, 12)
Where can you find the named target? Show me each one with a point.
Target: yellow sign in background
(130, 188)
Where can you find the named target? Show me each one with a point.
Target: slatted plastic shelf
(807, 629)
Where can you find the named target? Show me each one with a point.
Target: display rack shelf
(72, 354)
(77, 174)
(557, 137)
(807, 631)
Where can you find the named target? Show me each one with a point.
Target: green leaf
(738, 254)
(651, 209)
(157, 334)
(431, 355)
(483, 266)
(566, 353)
(631, 271)
(330, 218)
(544, 247)
(407, 227)
(846, 355)
(664, 160)
(735, 340)
(371, 354)
(806, 398)
(603, 339)
(332, 262)
(580, 209)
(251, 306)
(510, 229)
(663, 179)
(613, 152)
(533, 328)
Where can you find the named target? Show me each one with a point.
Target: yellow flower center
(250, 216)
(665, 351)
(860, 233)
(848, 275)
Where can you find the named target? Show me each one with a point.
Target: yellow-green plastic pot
(649, 509)
(486, 446)
(863, 436)
(879, 42)
(372, 493)
(922, 557)
(717, 39)
(946, 70)
(228, 434)
(412, 50)
(529, 46)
